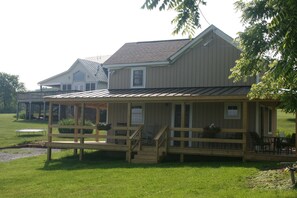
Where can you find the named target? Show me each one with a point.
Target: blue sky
(41, 38)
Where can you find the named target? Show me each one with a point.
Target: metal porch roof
(154, 94)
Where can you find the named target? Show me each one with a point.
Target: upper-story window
(138, 77)
(66, 87)
(79, 76)
(90, 86)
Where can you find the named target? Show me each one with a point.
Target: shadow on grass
(99, 160)
(291, 119)
(30, 135)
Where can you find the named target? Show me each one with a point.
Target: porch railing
(134, 141)
(225, 140)
(161, 139)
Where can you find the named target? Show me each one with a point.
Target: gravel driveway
(16, 153)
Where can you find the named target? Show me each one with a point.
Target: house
(173, 97)
(83, 75)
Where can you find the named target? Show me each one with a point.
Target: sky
(42, 38)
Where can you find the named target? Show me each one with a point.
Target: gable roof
(94, 68)
(145, 52)
(159, 52)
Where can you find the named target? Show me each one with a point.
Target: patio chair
(259, 144)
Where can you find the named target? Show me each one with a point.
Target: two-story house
(174, 97)
(84, 75)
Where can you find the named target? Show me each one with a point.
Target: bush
(71, 122)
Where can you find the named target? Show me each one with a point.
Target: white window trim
(144, 77)
(226, 105)
(143, 113)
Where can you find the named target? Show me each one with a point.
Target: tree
(269, 49)
(187, 19)
(9, 85)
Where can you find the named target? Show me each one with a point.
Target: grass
(285, 122)
(8, 126)
(99, 176)
(65, 176)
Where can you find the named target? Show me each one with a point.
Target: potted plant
(103, 126)
(211, 130)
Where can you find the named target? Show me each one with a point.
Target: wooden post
(128, 142)
(296, 132)
(49, 133)
(182, 135)
(244, 127)
(97, 122)
(82, 123)
(75, 129)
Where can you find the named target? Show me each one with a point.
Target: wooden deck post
(97, 122)
(182, 135)
(49, 132)
(128, 142)
(75, 130)
(82, 123)
(244, 127)
(296, 132)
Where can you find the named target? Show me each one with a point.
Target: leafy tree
(9, 85)
(187, 19)
(269, 49)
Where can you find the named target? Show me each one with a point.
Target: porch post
(296, 132)
(75, 129)
(128, 154)
(18, 109)
(49, 132)
(182, 135)
(97, 122)
(30, 110)
(244, 127)
(44, 113)
(82, 123)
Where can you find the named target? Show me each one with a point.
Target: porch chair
(288, 144)
(258, 143)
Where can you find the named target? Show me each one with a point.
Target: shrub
(71, 122)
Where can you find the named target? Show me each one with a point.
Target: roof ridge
(157, 41)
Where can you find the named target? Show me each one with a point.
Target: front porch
(148, 127)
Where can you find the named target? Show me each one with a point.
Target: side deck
(162, 145)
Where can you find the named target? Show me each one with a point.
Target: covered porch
(173, 122)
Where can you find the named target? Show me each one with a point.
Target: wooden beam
(182, 135)
(82, 123)
(244, 127)
(296, 131)
(97, 122)
(49, 131)
(128, 154)
(76, 114)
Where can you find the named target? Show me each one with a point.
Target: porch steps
(146, 156)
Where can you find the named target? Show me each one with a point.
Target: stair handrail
(160, 138)
(135, 136)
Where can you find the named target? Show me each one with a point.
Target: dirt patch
(271, 179)
(16, 153)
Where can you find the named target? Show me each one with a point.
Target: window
(79, 76)
(66, 87)
(137, 114)
(232, 111)
(138, 77)
(90, 86)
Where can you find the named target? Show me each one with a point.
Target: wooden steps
(146, 156)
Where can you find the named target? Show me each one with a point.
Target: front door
(177, 123)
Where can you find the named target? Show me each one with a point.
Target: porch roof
(154, 94)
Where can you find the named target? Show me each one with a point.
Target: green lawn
(65, 176)
(8, 126)
(285, 122)
(99, 176)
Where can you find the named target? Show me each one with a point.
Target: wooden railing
(229, 139)
(161, 139)
(134, 141)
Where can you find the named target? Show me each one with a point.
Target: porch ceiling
(154, 94)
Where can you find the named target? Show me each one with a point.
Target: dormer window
(138, 77)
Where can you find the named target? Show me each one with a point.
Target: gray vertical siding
(117, 112)
(202, 66)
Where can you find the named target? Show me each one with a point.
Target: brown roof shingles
(143, 52)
